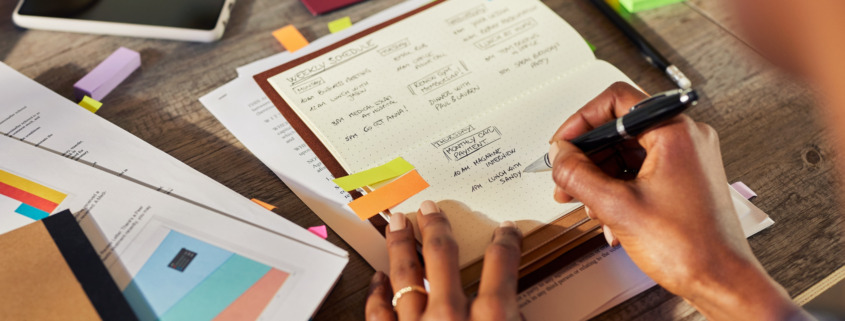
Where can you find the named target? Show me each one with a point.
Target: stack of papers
(140, 207)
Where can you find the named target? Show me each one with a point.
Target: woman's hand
(673, 214)
(496, 298)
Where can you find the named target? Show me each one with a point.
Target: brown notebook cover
(50, 271)
(539, 247)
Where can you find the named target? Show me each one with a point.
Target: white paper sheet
(245, 110)
(33, 113)
(118, 216)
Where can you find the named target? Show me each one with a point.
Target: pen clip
(655, 96)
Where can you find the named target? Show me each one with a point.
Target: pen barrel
(657, 111)
(597, 139)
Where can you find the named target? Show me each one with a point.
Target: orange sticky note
(290, 38)
(389, 195)
(264, 205)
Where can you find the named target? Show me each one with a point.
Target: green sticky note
(642, 5)
(340, 24)
(392, 169)
(593, 48)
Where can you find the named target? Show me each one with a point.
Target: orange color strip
(250, 304)
(290, 38)
(388, 195)
(263, 204)
(27, 197)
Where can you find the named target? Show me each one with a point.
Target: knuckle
(441, 243)
(405, 268)
(565, 173)
(501, 251)
(435, 220)
(401, 242)
(488, 308)
(445, 312)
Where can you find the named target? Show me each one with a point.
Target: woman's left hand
(496, 298)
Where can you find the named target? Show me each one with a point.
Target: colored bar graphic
(31, 212)
(250, 305)
(222, 287)
(158, 287)
(27, 198)
(31, 187)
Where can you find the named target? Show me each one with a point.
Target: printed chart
(23, 201)
(188, 279)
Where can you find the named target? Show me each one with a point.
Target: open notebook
(469, 92)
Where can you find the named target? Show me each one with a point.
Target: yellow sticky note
(290, 38)
(340, 24)
(263, 204)
(374, 175)
(90, 104)
(388, 195)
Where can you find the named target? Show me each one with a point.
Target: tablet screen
(191, 14)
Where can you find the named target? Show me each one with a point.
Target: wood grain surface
(770, 136)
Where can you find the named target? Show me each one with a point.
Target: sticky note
(593, 48)
(290, 38)
(374, 175)
(90, 104)
(744, 190)
(340, 24)
(319, 231)
(108, 74)
(263, 204)
(388, 195)
(642, 5)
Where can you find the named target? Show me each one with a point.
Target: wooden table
(770, 137)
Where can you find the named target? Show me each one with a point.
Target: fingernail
(554, 148)
(508, 224)
(397, 222)
(428, 207)
(587, 210)
(608, 236)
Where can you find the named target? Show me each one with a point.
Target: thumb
(576, 176)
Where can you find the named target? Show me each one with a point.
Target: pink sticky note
(319, 231)
(744, 190)
(108, 74)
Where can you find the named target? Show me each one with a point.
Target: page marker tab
(263, 204)
(634, 6)
(90, 104)
(340, 24)
(108, 74)
(290, 38)
(319, 231)
(389, 195)
(374, 175)
(744, 190)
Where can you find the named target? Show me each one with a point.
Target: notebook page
(485, 187)
(388, 92)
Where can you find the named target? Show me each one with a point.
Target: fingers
(378, 306)
(577, 176)
(405, 267)
(613, 102)
(497, 291)
(440, 252)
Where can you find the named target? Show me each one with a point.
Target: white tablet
(187, 20)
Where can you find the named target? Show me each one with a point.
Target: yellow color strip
(388, 195)
(90, 104)
(340, 24)
(374, 175)
(32, 187)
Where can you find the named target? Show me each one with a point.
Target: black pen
(651, 55)
(644, 115)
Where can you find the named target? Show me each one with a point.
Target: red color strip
(28, 198)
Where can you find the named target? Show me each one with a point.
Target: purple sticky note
(744, 190)
(108, 74)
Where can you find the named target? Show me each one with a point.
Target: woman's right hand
(675, 218)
